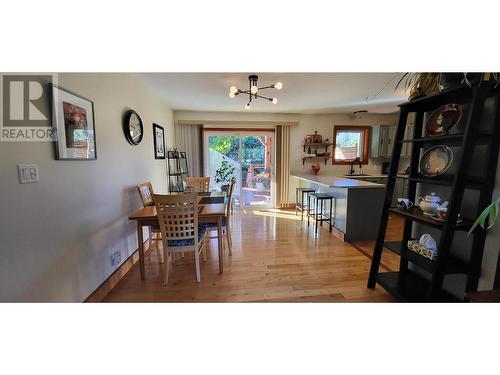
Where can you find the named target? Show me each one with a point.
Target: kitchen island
(358, 203)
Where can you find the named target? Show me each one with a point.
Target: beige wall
(307, 124)
(57, 235)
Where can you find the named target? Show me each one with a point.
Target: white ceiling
(301, 93)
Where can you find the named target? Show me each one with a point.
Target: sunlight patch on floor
(272, 212)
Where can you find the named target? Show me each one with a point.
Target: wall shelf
(455, 265)
(416, 214)
(437, 139)
(316, 145)
(315, 157)
(445, 180)
(410, 287)
(450, 139)
(461, 94)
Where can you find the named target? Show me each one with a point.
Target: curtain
(188, 139)
(282, 165)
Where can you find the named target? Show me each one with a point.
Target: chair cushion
(190, 242)
(213, 225)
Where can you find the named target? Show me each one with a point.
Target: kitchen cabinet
(406, 147)
(391, 135)
(399, 191)
(383, 141)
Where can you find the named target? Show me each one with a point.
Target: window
(351, 142)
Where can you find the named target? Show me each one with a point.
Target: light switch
(28, 173)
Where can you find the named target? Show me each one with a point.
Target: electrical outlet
(28, 173)
(116, 258)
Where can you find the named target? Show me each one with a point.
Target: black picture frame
(159, 141)
(60, 96)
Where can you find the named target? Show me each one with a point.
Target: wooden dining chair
(146, 193)
(226, 221)
(199, 184)
(178, 218)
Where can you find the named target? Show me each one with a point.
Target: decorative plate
(436, 160)
(437, 218)
(443, 119)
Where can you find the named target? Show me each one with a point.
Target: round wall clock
(132, 127)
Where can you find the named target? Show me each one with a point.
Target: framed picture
(73, 119)
(159, 141)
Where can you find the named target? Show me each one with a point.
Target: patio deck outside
(250, 155)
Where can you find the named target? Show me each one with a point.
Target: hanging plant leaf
(492, 217)
(490, 213)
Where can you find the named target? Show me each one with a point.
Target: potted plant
(423, 84)
(262, 181)
(419, 84)
(224, 174)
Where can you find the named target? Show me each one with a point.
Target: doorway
(250, 153)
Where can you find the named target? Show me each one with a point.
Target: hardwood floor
(390, 261)
(276, 258)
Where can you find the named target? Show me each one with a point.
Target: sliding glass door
(250, 153)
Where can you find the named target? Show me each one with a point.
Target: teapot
(430, 204)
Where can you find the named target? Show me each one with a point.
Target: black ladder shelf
(177, 170)
(442, 278)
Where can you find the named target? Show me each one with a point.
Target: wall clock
(132, 127)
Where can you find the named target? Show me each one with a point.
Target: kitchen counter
(343, 182)
(358, 204)
(376, 176)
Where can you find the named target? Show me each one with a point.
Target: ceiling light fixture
(253, 90)
(359, 114)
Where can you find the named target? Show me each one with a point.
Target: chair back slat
(178, 216)
(146, 193)
(199, 184)
(229, 205)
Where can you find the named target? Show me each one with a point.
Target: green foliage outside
(253, 151)
(348, 139)
(226, 145)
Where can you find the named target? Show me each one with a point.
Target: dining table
(212, 209)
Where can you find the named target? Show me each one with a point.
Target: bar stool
(300, 205)
(317, 211)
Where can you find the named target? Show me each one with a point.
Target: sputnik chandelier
(253, 91)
